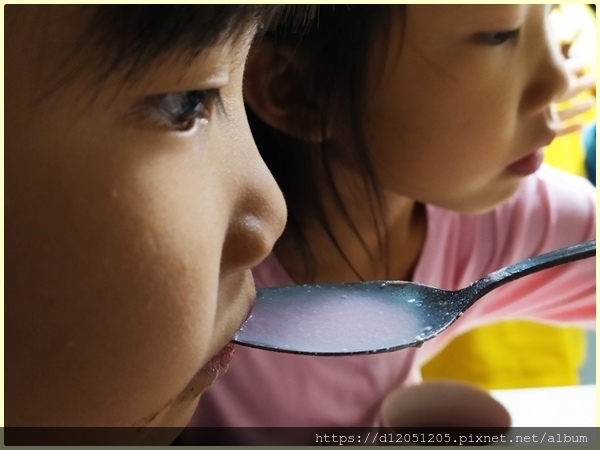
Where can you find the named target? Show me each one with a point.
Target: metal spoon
(374, 316)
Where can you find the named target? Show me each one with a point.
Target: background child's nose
(554, 71)
(559, 71)
(549, 80)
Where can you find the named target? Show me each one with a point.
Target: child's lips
(209, 373)
(528, 164)
(220, 362)
(531, 162)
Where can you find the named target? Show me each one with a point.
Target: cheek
(165, 250)
(430, 134)
(426, 100)
(118, 299)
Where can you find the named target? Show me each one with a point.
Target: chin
(488, 200)
(163, 430)
(170, 425)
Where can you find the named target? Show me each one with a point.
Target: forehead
(469, 12)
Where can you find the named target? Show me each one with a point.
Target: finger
(576, 109)
(585, 82)
(579, 85)
(569, 129)
(576, 65)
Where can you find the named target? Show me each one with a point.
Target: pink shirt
(550, 210)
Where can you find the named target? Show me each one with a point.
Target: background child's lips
(528, 164)
(531, 162)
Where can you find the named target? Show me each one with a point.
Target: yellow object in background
(566, 153)
(575, 27)
(516, 354)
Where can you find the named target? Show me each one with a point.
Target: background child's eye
(182, 110)
(497, 37)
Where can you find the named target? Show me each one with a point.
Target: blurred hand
(571, 107)
(444, 403)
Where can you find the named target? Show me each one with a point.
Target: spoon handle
(533, 265)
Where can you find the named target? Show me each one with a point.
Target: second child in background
(411, 150)
(522, 353)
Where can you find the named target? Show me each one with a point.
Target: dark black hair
(131, 37)
(136, 35)
(337, 46)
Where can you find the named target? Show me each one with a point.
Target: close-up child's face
(134, 212)
(460, 104)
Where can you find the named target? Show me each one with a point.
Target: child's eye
(497, 37)
(181, 110)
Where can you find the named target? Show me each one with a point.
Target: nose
(259, 213)
(550, 79)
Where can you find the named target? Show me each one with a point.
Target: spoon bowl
(374, 316)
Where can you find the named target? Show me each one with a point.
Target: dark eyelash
(498, 37)
(181, 110)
